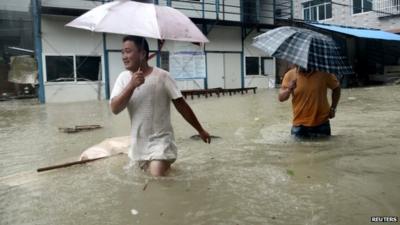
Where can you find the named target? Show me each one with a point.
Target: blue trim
(217, 9)
(242, 68)
(291, 10)
(242, 59)
(359, 32)
(202, 9)
(106, 68)
(206, 79)
(241, 11)
(274, 10)
(258, 11)
(38, 47)
(158, 59)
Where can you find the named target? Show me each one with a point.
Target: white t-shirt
(149, 111)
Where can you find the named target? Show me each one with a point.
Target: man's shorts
(322, 130)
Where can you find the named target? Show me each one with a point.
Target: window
(259, 65)
(360, 6)
(59, 68)
(164, 61)
(252, 66)
(317, 10)
(72, 68)
(267, 66)
(87, 68)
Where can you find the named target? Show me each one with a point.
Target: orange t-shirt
(310, 101)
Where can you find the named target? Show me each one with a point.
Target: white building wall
(342, 15)
(228, 39)
(19, 6)
(261, 81)
(74, 4)
(60, 40)
(224, 38)
(224, 51)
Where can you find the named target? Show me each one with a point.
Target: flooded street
(254, 174)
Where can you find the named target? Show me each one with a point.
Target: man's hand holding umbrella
(137, 78)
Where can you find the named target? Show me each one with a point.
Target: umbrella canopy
(140, 19)
(308, 49)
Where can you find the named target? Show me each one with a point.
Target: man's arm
(118, 103)
(335, 101)
(284, 92)
(187, 113)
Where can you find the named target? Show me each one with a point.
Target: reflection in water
(254, 174)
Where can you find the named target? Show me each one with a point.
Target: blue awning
(360, 32)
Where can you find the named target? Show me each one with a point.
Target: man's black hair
(140, 42)
(304, 70)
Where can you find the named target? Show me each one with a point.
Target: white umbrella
(140, 19)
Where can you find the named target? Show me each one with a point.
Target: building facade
(79, 65)
(377, 14)
(352, 23)
(16, 41)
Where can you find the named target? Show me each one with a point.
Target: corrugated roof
(360, 32)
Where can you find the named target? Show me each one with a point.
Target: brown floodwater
(254, 174)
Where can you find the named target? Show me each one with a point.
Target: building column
(37, 35)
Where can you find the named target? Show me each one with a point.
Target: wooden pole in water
(71, 164)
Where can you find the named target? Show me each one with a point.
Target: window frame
(76, 69)
(46, 71)
(75, 77)
(362, 9)
(258, 65)
(162, 62)
(310, 6)
(261, 65)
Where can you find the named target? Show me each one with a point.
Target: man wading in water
(147, 93)
(311, 109)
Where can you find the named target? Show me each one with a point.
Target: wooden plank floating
(63, 165)
(78, 128)
(217, 91)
